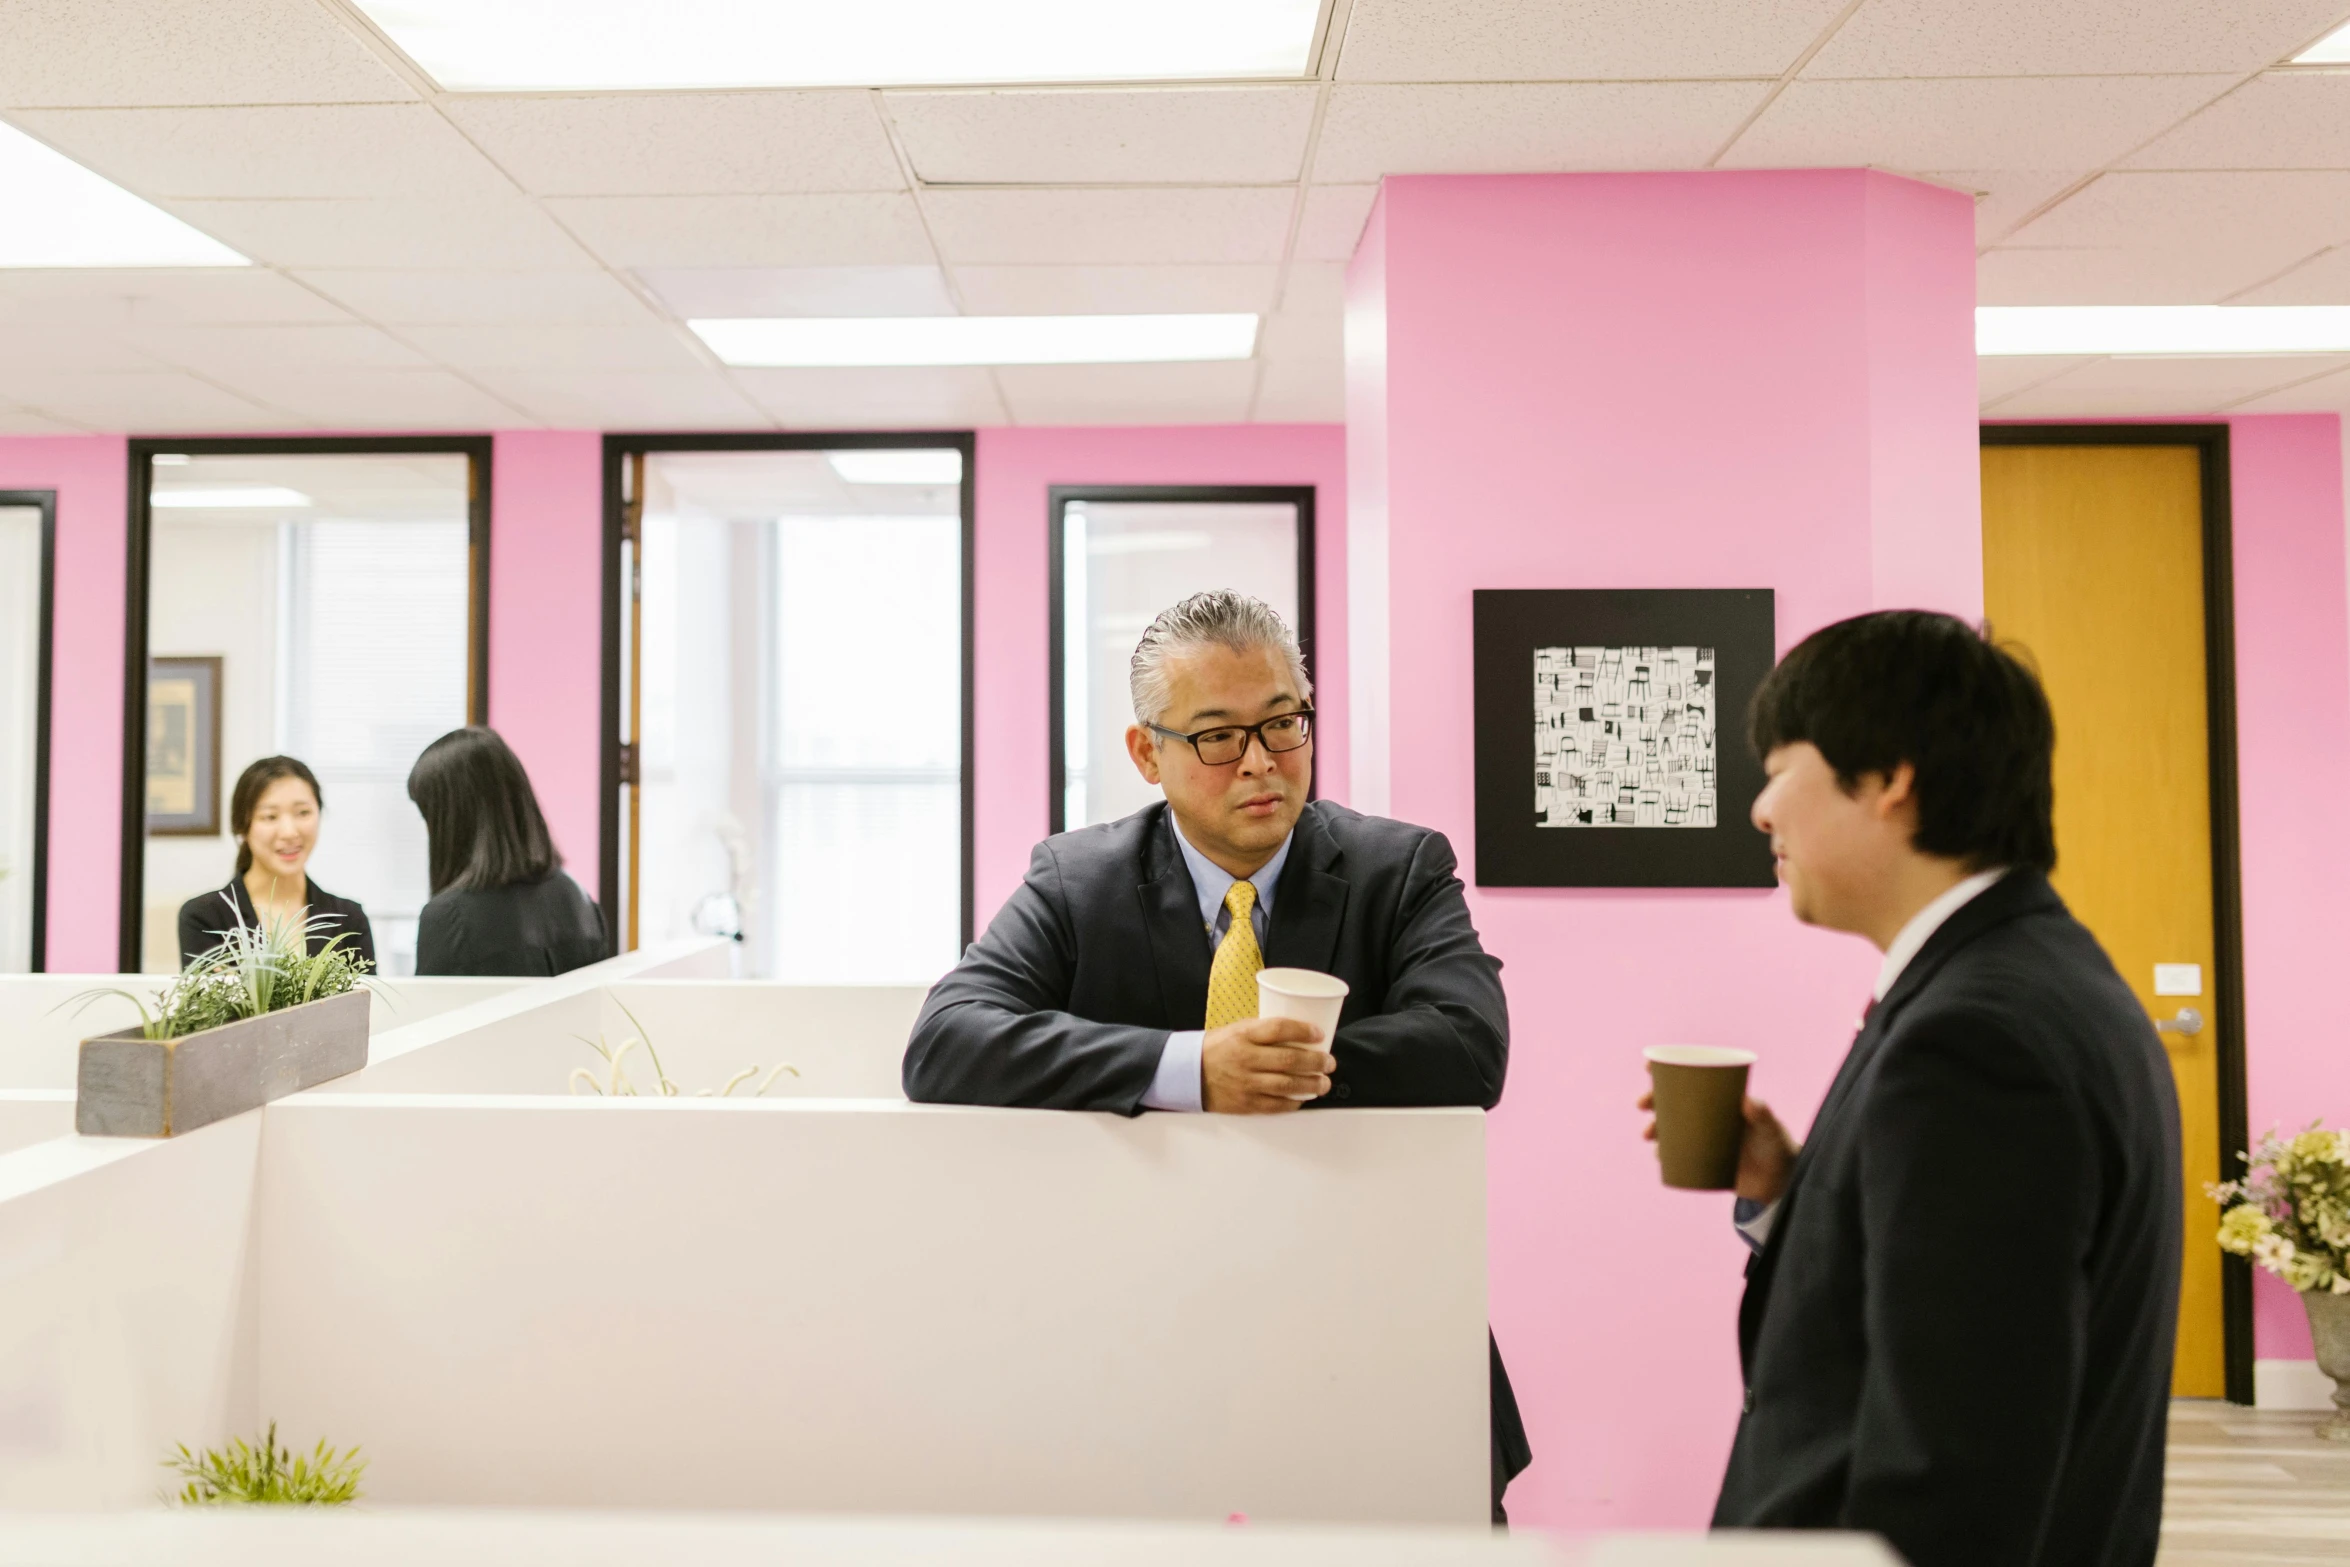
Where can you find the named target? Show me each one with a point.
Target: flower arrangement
(2291, 1211)
(264, 1473)
(255, 969)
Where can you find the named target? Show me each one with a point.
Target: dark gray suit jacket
(1067, 1001)
(1959, 1334)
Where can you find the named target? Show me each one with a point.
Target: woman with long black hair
(501, 903)
(274, 812)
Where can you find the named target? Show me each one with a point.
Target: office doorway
(788, 700)
(28, 556)
(2106, 558)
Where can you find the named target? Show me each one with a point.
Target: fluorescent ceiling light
(2332, 49)
(547, 45)
(2162, 329)
(803, 342)
(887, 465)
(62, 215)
(259, 497)
(1147, 543)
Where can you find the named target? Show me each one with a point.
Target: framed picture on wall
(183, 747)
(1611, 736)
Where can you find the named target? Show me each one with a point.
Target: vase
(2329, 1329)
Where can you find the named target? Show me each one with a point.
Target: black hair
(1907, 685)
(251, 784)
(481, 820)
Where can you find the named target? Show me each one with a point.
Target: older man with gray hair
(1121, 975)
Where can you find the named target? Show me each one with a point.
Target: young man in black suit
(1121, 975)
(1958, 1321)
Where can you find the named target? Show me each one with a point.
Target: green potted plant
(256, 1018)
(264, 1474)
(2291, 1215)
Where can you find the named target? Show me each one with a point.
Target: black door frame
(44, 502)
(475, 448)
(2210, 441)
(618, 448)
(1058, 499)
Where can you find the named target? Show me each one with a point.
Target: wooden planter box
(134, 1087)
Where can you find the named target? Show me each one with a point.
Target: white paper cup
(1303, 994)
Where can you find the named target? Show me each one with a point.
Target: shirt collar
(1211, 881)
(1925, 922)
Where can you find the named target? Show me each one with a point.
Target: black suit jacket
(1067, 1001)
(536, 928)
(1959, 1334)
(205, 919)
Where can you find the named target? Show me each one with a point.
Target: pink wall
(546, 626)
(90, 474)
(1649, 381)
(1016, 469)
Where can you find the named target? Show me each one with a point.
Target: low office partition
(796, 1305)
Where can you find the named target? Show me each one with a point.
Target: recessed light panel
(258, 497)
(2173, 330)
(2332, 49)
(606, 45)
(821, 342)
(59, 214)
(898, 465)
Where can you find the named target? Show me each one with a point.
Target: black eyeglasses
(1228, 743)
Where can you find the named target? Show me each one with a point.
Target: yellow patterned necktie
(1232, 983)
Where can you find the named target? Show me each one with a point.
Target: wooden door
(2093, 568)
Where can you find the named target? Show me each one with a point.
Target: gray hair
(1218, 618)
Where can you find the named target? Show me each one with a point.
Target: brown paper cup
(1700, 1115)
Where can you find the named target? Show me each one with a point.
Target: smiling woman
(274, 815)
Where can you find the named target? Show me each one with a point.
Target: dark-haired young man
(1958, 1322)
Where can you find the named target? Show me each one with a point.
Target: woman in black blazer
(274, 813)
(500, 901)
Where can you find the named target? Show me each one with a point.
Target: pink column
(546, 625)
(1700, 380)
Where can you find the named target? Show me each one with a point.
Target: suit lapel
(1310, 904)
(1179, 942)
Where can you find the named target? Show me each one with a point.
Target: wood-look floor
(2253, 1488)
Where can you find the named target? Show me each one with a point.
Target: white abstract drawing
(1624, 737)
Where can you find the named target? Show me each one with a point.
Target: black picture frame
(1514, 847)
(189, 748)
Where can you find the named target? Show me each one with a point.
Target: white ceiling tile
(857, 399)
(187, 295)
(2158, 386)
(1216, 393)
(373, 399)
(1315, 287)
(653, 346)
(2003, 197)
(1234, 224)
(2004, 375)
(483, 298)
(23, 421)
(2328, 393)
(2283, 120)
(2324, 279)
(1073, 290)
(2015, 122)
(1527, 127)
(692, 292)
(163, 401)
(2036, 38)
(684, 144)
(628, 400)
(402, 232)
(2273, 218)
(1180, 136)
(1332, 223)
(366, 149)
(206, 349)
(1304, 379)
(30, 342)
(870, 229)
(1576, 40)
(2155, 274)
(154, 52)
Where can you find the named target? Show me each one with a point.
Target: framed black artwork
(1611, 736)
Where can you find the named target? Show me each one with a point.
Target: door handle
(2189, 1021)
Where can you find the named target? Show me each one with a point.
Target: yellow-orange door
(2093, 564)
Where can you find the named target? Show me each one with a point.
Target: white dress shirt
(1176, 1085)
(1754, 1220)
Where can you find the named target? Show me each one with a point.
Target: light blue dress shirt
(1176, 1085)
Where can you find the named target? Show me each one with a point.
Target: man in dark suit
(1958, 1321)
(1121, 975)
